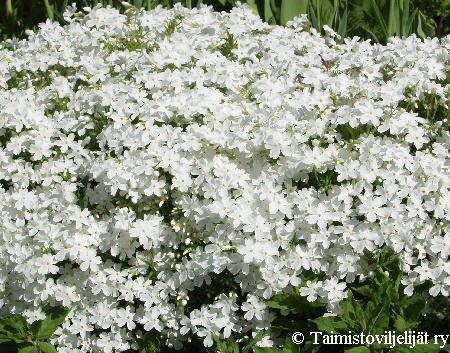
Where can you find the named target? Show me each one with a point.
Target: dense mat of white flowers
(146, 159)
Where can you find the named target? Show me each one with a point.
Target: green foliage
(227, 47)
(16, 335)
(171, 26)
(373, 307)
(436, 12)
(384, 19)
(375, 19)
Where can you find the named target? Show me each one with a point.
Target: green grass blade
(269, 16)
(9, 8)
(59, 13)
(406, 28)
(199, 3)
(380, 19)
(342, 29)
(49, 9)
(252, 4)
(372, 34)
(313, 17)
(392, 19)
(292, 8)
(404, 8)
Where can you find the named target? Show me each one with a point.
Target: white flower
(139, 168)
(253, 308)
(46, 264)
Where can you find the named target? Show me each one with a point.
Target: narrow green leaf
(392, 18)
(252, 4)
(47, 348)
(404, 14)
(9, 9)
(49, 9)
(380, 19)
(424, 27)
(4, 338)
(54, 317)
(292, 8)
(342, 29)
(406, 29)
(269, 17)
(314, 17)
(274, 5)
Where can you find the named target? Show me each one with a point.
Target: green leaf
(353, 313)
(360, 349)
(267, 350)
(149, 343)
(270, 11)
(330, 323)
(426, 348)
(47, 348)
(289, 346)
(228, 346)
(4, 339)
(342, 29)
(15, 327)
(291, 8)
(287, 323)
(413, 306)
(253, 341)
(380, 19)
(49, 8)
(27, 348)
(284, 301)
(54, 317)
(252, 4)
(400, 324)
(426, 27)
(366, 290)
(377, 311)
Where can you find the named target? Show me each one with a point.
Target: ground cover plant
(191, 180)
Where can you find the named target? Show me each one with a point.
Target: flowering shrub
(170, 171)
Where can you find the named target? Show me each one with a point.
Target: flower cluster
(169, 171)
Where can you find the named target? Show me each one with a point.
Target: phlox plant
(191, 180)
